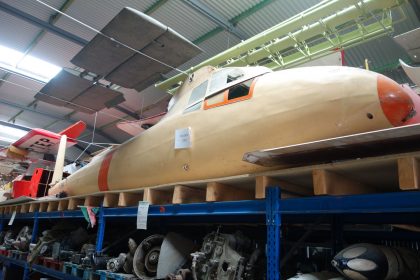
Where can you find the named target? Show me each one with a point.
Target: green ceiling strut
(325, 27)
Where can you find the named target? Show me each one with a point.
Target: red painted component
(74, 130)
(28, 188)
(103, 172)
(398, 103)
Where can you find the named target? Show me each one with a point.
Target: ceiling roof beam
(59, 118)
(215, 17)
(233, 21)
(155, 6)
(42, 24)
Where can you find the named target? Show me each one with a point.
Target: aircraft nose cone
(396, 101)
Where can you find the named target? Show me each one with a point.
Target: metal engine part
(65, 255)
(373, 262)
(225, 256)
(99, 261)
(325, 275)
(175, 252)
(116, 264)
(146, 257)
(128, 264)
(23, 239)
(8, 239)
(181, 274)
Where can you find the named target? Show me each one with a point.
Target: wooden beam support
(33, 207)
(156, 196)
(63, 205)
(184, 194)
(24, 208)
(43, 206)
(74, 202)
(129, 199)
(408, 173)
(330, 183)
(288, 189)
(221, 192)
(52, 206)
(110, 200)
(93, 201)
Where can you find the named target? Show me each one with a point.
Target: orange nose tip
(396, 102)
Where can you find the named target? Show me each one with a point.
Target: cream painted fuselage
(286, 107)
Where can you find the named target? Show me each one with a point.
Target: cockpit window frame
(226, 100)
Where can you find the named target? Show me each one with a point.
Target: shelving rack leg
(273, 221)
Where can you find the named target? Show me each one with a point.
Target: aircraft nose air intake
(396, 102)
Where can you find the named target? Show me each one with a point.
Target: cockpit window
(225, 76)
(196, 98)
(239, 92)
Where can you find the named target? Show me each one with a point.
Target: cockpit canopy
(221, 80)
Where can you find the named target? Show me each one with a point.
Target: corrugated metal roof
(17, 94)
(385, 50)
(273, 14)
(16, 33)
(6, 112)
(230, 9)
(31, 119)
(34, 8)
(55, 50)
(183, 19)
(96, 13)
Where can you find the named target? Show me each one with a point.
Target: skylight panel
(27, 65)
(38, 67)
(9, 56)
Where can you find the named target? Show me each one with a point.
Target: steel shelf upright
(392, 208)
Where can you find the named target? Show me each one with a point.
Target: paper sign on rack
(12, 219)
(142, 212)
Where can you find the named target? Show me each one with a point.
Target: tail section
(74, 131)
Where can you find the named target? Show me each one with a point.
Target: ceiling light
(9, 56)
(27, 65)
(11, 134)
(38, 67)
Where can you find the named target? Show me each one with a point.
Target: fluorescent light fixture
(10, 56)
(7, 140)
(38, 67)
(27, 65)
(11, 134)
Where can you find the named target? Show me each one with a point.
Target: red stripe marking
(103, 172)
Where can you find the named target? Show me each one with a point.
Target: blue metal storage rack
(402, 207)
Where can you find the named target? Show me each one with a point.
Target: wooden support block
(184, 194)
(408, 173)
(93, 201)
(288, 189)
(74, 202)
(43, 206)
(24, 208)
(33, 207)
(330, 183)
(221, 192)
(129, 199)
(155, 196)
(63, 205)
(52, 206)
(110, 200)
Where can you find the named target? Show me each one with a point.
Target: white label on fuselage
(142, 213)
(183, 138)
